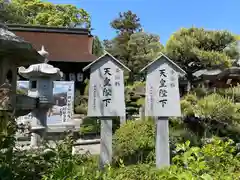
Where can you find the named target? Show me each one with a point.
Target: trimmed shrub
(133, 100)
(215, 107)
(92, 126)
(81, 109)
(200, 92)
(134, 142)
(232, 93)
(210, 114)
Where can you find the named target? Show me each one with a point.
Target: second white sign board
(162, 88)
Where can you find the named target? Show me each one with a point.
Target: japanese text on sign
(151, 98)
(162, 92)
(117, 77)
(172, 78)
(94, 96)
(69, 103)
(63, 114)
(107, 89)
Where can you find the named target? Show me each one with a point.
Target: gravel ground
(91, 148)
(82, 149)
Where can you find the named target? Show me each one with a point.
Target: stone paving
(91, 146)
(82, 146)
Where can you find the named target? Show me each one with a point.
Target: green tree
(107, 44)
(37, 12)
(125, 25)
(6, 15)
(143, 48)
(97, 47)
(196, 48)
(132, 46)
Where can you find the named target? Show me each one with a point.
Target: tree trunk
(190, 80)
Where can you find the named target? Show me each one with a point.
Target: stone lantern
(41, 77)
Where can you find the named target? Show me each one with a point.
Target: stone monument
(41, 77)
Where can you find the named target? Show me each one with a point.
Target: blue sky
(24, 84)
(162, 17)
(59, 87)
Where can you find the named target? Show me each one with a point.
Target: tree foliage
(107, 44)
(37, 12)
(126, 24)
(196, 48)
(143, 48)
(132, 46)
(97, 47)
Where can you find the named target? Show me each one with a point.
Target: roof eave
(106, 54)
(48, 29)
(163, 55)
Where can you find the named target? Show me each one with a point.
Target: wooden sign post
(106, 98)
(162, 101)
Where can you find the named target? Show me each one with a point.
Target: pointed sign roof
(168, 60)
(101, 57)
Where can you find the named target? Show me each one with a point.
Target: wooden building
(218, 78)
(70, 49)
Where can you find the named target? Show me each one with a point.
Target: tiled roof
(63, 44)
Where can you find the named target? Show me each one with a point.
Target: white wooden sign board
(162, 89)
(106, 89)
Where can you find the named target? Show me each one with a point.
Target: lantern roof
(41, 69)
